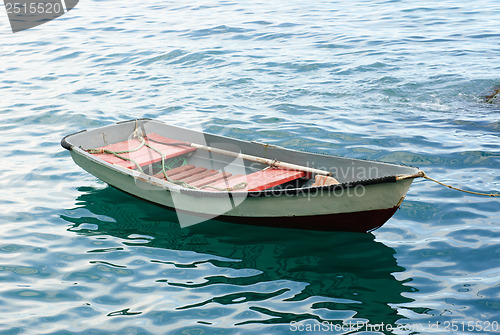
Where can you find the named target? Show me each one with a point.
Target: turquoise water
(397, 81)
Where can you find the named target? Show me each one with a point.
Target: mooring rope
(423, 175)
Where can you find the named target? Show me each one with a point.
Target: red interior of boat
(190, 174)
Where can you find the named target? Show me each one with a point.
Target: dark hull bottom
(352, 222)
(363, 222)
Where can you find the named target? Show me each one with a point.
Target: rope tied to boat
(422, 174)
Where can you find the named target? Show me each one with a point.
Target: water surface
(396, 81)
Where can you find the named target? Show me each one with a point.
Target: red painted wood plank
(174, 171)
(227, 181)
(121, 146)
(183, 175)
(230, 178)
(264, 179)
(212, 179)
(200, 176)
(149, 156)
(145, 155)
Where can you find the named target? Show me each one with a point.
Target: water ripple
(390, 80)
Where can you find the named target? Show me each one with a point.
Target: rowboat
(204, 176)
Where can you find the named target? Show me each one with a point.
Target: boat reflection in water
(229, 275)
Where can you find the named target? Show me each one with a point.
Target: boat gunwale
(310, 191)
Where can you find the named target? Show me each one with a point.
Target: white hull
(327, 208)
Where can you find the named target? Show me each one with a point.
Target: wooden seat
(200, 176)
(262, 180)
(145, 155)
(186, 174)
(220, 177)
(174, 171)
